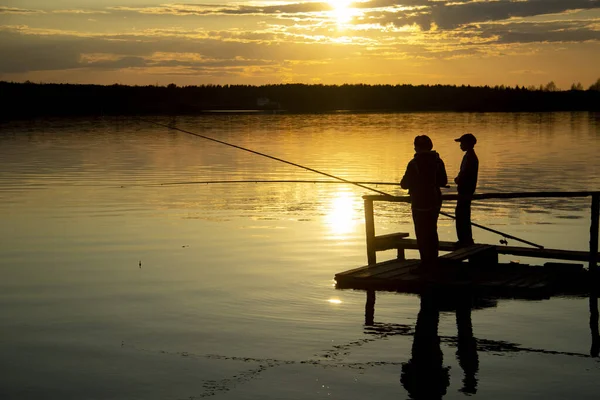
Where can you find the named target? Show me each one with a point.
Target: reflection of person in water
(424, 375)
(466, 352)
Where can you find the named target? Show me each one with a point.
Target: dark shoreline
(30, 100)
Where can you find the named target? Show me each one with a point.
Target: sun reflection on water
(340, 215)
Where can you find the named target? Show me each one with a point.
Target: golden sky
(476, 42)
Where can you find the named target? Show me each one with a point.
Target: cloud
(563, 32)
(12, 10)
(80, 12)
(119, 63)
(393, 3)
(26, 49)
(23, 11)
(451, 16)
(527, 72)
(240, 9)
(448, 15)
(21, 54)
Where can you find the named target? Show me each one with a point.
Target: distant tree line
(27, 100)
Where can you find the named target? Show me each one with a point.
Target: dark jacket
(466, 181)
(424, 176)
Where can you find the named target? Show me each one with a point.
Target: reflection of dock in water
(476, 268)
(425, 375)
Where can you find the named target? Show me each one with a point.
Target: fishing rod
(506, 235)
(361, 185)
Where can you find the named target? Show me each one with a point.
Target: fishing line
(325, 174)
(268, 156)
(259, 181)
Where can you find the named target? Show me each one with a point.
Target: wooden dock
(502, 279)
(476, 267)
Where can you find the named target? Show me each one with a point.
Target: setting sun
(341, 10)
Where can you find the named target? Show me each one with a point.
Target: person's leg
(435, 243)
(430, 237)
(427, 235)
(464, 232)
(468, 231)
(420, 232)
(459, 214)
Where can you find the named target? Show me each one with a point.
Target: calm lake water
(113, 286)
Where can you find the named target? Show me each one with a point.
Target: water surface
(113, 286)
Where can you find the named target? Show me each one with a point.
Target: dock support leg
(401, 255)
(595, 349)
(594, 233)
(370, 308)
(370, 232)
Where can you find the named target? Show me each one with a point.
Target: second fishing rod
(505, 235)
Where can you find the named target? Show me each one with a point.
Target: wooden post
(594, 232)
(401, 255)
(370, 232)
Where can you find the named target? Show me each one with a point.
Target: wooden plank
(563, 268)
(412, 245)
(520, 279)
(539, 283)
(381, 271)
(553, 254)
(504, 280)
(389, 241)
(468, 252)
(528, 280)
(364, 268)
(352, 271)
(395, 274)
(399, 235)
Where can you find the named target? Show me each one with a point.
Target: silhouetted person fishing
(424, 176)
(466, 182)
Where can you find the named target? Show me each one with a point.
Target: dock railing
(400, 242)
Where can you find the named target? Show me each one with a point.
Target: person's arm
(408, 179)
(468, 175)
(441, 175)
(460, 178)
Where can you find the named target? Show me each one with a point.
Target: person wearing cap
(466, 182)
(424, 176)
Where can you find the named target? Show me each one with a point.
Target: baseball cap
(467, 138)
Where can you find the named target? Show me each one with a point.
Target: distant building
(266, 103)
(262, 101)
